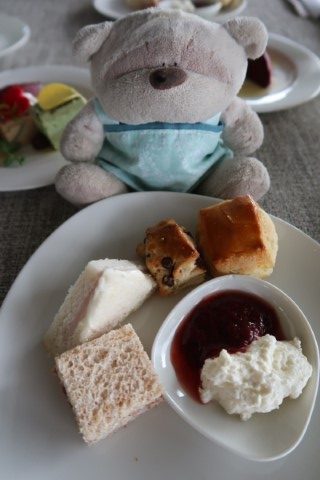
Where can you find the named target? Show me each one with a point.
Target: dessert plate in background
(13, 34)
(36, 420)
(234, 9)
(118, 8)
(295, 77)
(40, 167)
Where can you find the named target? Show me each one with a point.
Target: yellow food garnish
(54, 95)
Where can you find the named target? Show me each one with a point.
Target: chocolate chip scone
(171, 257)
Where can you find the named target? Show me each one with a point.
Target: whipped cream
(258, 379)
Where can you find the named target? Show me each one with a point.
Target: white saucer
(40, 168)
(253, 439)
(118, 8)
(295, 77)
(13, 34)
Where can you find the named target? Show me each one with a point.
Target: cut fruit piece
(260, 71)
(54, 95)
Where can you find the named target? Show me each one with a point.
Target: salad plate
(40, 167)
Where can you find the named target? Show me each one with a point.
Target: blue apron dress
(160, 156)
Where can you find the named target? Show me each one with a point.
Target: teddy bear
(166, 115)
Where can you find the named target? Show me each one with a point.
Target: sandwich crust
(237, 236)
(109, 382)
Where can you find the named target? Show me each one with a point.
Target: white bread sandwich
(109, 382)
(105, 293)
(237, 236)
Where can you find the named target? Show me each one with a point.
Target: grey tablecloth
(291, 149)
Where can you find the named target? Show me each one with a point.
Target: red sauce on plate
(228, 320)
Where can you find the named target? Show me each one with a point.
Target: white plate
(40, 168)
(118, 8)
(13, 34)
(38, 435)
(295, 78)
(225, 14)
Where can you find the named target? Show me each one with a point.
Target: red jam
(228, 320)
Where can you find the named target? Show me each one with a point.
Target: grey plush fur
(124, 53)
(85, 183)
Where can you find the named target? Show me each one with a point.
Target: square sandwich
(109, 381)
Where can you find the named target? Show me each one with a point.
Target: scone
(109, 382)
(171, 257)
(237, 236)
(140, 4)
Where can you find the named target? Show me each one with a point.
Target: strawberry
(13, 103)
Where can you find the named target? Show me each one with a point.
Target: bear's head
(168, 66)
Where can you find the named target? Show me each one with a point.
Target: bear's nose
(165, 78)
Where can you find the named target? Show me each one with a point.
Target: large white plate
(38, 435)
(40, 168)
(295, 78)
(118, 8)
(13, 34)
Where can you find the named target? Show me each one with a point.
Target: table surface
(291, 149)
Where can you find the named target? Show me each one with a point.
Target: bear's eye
(163, 64)
(175, 64)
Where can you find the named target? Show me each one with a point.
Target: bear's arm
(83, 137)
(243, 131)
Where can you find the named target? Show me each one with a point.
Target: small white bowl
(264, 437)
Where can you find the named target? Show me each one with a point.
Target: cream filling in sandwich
(105, 293)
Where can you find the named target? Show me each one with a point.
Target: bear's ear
(250, 33)
(89, 39)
